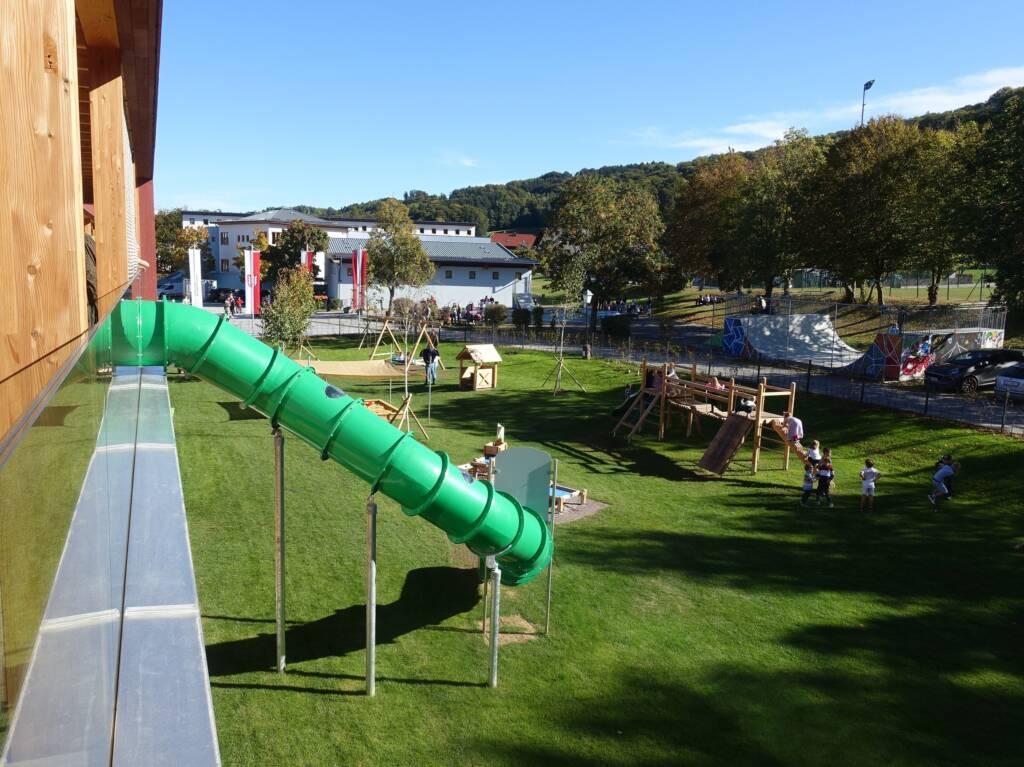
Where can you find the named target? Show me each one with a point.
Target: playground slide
(425, 483)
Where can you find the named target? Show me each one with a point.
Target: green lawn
(696, 620)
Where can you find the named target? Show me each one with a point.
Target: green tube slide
(425, 483)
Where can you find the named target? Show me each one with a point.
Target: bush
(403, 308)
(538, 317)
(617, 325)
(335, 305)
(495, 314)
(521, 318)
(286, 318)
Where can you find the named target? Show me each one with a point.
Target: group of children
(818, 469)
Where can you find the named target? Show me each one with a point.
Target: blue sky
(329, 103)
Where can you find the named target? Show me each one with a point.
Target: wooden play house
(478, 367)
(667, 390)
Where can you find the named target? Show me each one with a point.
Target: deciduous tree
(285, 319)
(395, 255)
(297, 237)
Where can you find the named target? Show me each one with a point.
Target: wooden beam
(99, 22)
(110, 159)
(42, 252)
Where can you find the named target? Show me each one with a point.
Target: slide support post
(551, 531)
(279, 546)
(495, 569)
(371, 596)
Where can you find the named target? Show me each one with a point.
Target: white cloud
(459, 160)
(759, 130)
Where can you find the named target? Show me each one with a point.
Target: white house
(231, 231)
(468, 269)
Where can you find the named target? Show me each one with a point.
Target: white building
(469, 267)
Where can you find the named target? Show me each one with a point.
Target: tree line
(892, 195)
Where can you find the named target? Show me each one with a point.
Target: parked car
(973, 370)
(1011, 381)
(523, 301)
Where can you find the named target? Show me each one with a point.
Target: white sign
(195, 277)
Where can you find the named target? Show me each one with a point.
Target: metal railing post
(279, 564)
(371, 596)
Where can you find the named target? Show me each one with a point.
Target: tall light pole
(864, 99)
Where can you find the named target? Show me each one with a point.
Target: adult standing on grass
(868, 475)
(430, 356)
(941, 479)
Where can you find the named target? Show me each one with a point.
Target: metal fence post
(1006, 404)
(927, 395)
(862, 382)
(808, 376)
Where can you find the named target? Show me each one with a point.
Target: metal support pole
(862, 389)
(495, 622)
(371, 596)
(279, 546)
(551, 532)
(927, 394)
(1006, 404)
(808, 376)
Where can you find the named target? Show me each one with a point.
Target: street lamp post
(864, 99)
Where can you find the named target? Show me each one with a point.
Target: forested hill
(526, 204)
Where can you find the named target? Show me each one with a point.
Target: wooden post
(792, 411)
(662, 391)
(758, 413)
(732, 394)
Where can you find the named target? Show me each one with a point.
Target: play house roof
(479, 354)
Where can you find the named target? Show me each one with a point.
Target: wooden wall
(63, 97)
(43, 311)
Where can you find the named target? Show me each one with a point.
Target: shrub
(495, 314)
(521, 318)
(286, 318)
(538, 317)
(617, 325)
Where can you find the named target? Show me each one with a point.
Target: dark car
(970, 371)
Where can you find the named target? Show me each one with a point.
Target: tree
(297, 237)
(168, 224)
(495, 314)
(260, 244)
(859, 221)
(701, 237)
(188, 237)
(603, 238)
(769, 203)
(395, 255)
(286, 317)
(1001, 197)
(944, 203)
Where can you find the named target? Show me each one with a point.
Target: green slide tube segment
(425, 483)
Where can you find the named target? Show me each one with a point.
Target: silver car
(1011, 382)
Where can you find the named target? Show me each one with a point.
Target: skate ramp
(793, 337)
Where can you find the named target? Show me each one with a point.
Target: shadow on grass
(430, 595)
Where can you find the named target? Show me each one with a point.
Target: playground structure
(695, 395)
(896, 354)
(478, 367)
(393, 349)
(424, 483)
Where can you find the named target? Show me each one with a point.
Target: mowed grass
(696, 620)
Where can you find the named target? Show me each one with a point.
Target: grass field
(696, 620)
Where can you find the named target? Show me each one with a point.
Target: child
(809, 475)
(946, 470)
(814, 453)
(868, 475)
(826, 473)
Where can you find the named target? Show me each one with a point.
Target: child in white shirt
(814, 453)
(810, 474)
(868, 475)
